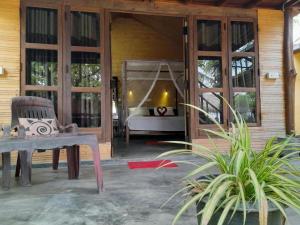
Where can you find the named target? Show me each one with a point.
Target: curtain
(41, 25)
(242, 36)
(85, 29)
(86, 109)
(209, 35)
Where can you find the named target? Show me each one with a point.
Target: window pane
(245, 104)
(41, 67)
(86, 109)
(86, 69)
(209, 35)
(243, 72)
(209, 72)
(52, 95)
(212, 103)
(85, 29)
(41, 25)
(242, 36)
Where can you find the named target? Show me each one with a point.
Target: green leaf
(201, 169)
(213, 202)
(226, 210)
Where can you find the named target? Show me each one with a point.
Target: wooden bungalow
(69, 50)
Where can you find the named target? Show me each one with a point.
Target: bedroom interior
(148, 70)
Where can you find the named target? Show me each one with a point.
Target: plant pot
(275, 217)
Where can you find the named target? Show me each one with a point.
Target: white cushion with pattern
(36, 127)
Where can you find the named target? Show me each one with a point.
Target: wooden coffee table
(26, 146)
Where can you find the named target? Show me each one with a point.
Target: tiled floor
(131, 197)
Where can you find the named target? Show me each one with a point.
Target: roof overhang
(272, 4)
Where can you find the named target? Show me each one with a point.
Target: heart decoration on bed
(161, 110)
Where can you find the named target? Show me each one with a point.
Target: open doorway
(148, 72)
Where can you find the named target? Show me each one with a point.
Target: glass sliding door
(226, 68)
(63, 60)
(85, 63)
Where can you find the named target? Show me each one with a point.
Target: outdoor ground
(131, 197)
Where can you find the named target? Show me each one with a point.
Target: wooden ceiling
(274, 4)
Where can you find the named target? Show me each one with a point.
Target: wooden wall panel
(271, 27)
(9, 56)
(132, 39)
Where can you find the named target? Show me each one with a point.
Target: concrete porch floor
(131, 197)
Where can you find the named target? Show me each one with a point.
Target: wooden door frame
(186, 56)
(224, 72)
(64, 55)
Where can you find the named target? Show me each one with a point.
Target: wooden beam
(185, 1)
(220, 2)
(252, 3)
(290, 3)
(290, 72)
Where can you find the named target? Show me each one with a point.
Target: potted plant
(251, 187)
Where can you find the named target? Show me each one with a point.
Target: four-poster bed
(152, 119)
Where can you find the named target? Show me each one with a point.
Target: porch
(268, 116)
(132, 197)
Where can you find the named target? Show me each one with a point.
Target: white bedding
(156, 123)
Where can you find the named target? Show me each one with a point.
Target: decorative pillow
(161, 110)
(164, 111)
(175, 111)
(170, 111)
(151, 112)
(36, 127)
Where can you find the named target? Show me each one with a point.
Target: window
(243, 72)
(211, 82)
(41, 73)
(226, 67)
(62, 60)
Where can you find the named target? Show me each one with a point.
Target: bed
(143, 122)
(154, 123)
(141, 119)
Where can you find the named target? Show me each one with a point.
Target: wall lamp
(1, 70)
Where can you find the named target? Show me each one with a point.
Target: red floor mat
(151, 164)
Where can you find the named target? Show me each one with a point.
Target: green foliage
(247, 178)
(86, 75)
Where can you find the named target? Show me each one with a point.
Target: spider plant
(246, 178)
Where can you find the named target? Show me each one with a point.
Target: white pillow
(142, 111)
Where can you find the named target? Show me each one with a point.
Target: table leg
(26, 163)
(71, 163)
(6, 170)
(18, 166)
(55, 158)
(77, 160)
(97, 166)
